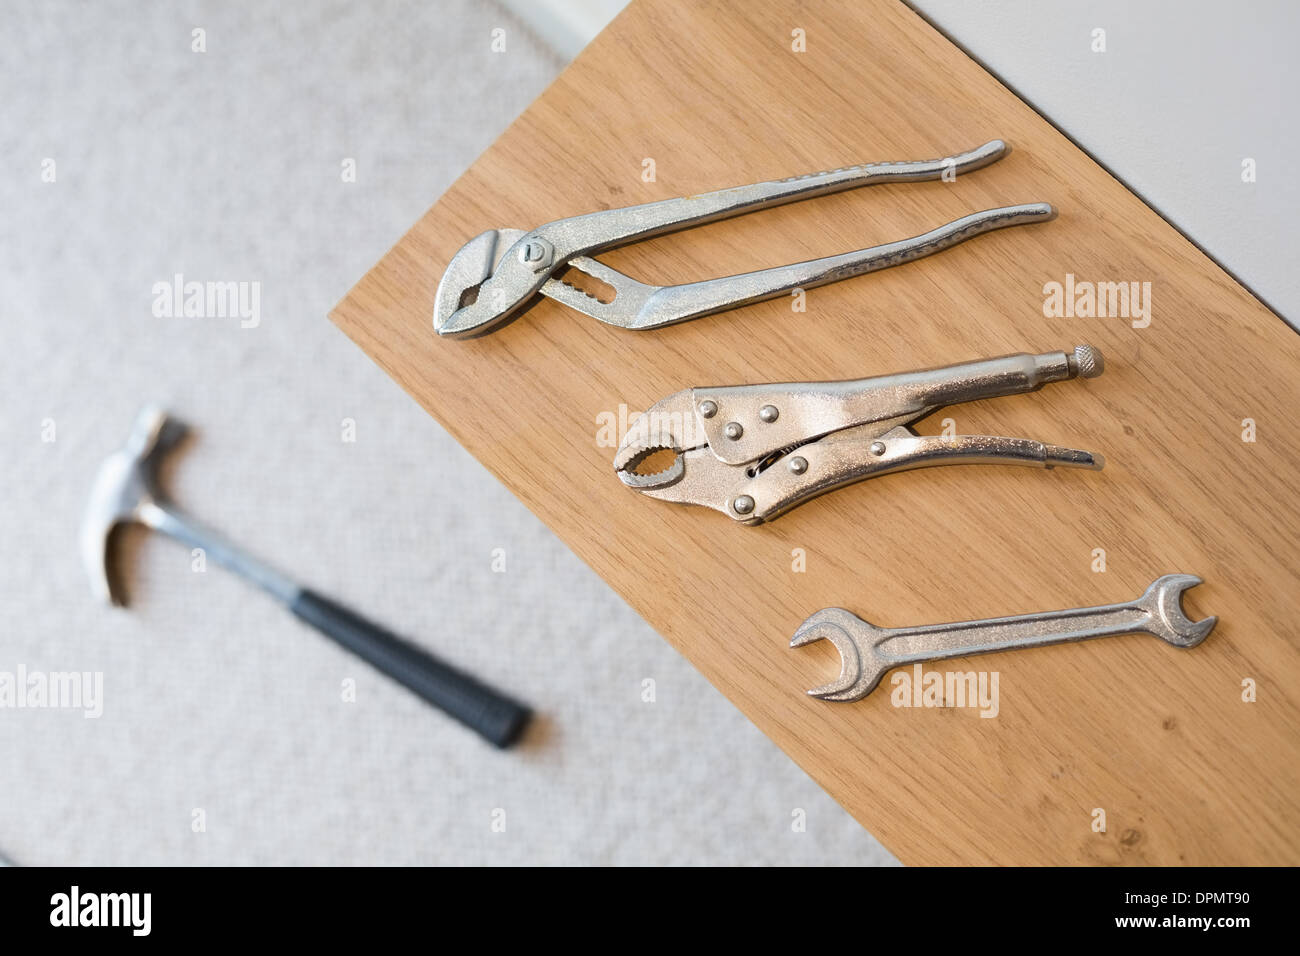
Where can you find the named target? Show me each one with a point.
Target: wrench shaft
(959, 639)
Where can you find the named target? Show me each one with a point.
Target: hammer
(126, 489)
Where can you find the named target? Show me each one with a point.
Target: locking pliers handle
(823, 466)
(746, 423)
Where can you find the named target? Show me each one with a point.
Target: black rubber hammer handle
(488, 712)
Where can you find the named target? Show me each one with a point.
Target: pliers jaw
(489, 280)
(667, 425)
(695, 475)
(672, 425)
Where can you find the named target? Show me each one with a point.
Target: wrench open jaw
(754, 452)
(868, 652)
(1163, 601)
(861, 667)
(500, 272)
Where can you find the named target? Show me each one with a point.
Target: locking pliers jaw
(754, 452)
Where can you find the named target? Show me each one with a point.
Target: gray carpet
(218, 708)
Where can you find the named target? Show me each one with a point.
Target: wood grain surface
(1157, 737)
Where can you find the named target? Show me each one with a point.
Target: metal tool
(126, 490)
(867, 652)
(755, 451)
(497, 273)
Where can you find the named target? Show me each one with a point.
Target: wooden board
(1158, 738)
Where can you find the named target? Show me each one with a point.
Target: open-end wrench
(867, 652)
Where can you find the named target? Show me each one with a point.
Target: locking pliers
(754, 452)
(499, 272)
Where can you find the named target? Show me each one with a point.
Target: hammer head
(123, 491)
